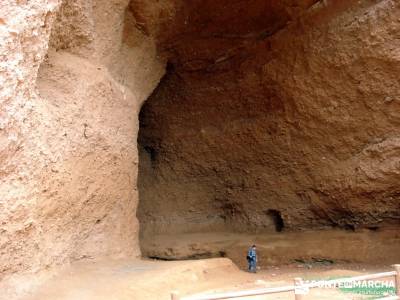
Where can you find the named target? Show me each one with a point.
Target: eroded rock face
(68, 131)
(304, 122)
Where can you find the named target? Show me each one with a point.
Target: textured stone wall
(69, 119)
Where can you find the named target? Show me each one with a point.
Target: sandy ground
(147, 279)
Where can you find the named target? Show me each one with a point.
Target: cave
(246, 134)
(130, 125)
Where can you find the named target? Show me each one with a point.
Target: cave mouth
(243, 139)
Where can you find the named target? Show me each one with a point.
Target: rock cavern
(127, 126)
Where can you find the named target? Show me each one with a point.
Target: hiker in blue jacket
(252, 259)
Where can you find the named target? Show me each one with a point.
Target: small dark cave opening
(277, 219)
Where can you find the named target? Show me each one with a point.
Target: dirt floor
(315, 255)
(148, 279)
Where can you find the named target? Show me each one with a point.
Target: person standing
(252, 259)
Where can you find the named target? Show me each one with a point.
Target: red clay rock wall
(68, 131)
(285, 105)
